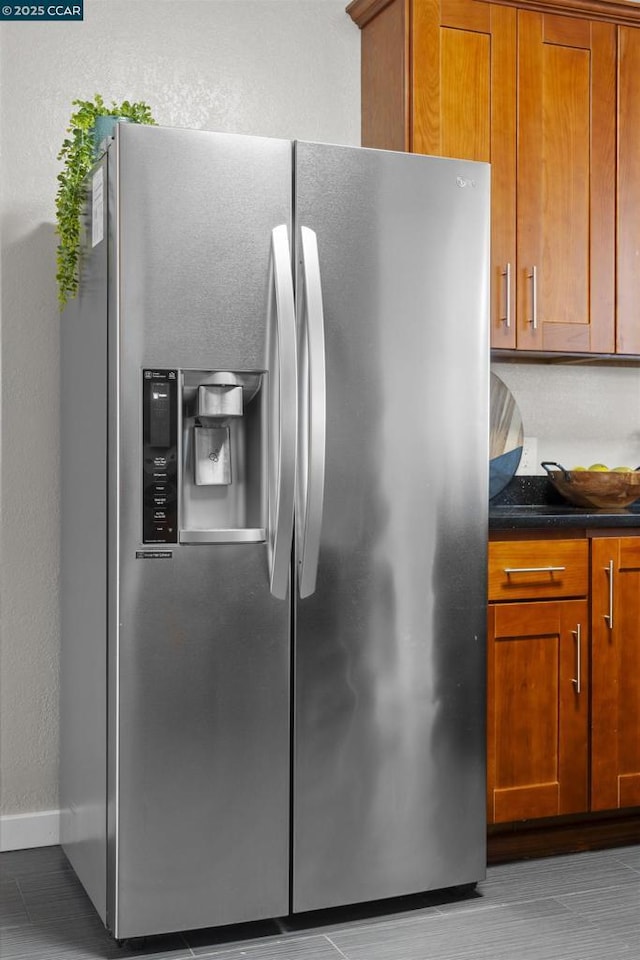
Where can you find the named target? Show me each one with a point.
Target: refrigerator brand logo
(465, 182)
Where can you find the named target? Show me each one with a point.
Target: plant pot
(103, 128)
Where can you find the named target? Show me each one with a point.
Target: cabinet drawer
(535, 569)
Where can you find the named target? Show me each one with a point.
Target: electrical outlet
(529, 460)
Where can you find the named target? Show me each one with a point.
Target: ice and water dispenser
(204, 456)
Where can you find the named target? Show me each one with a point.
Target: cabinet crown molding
(614, 11)
(361, 11)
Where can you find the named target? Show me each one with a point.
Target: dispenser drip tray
(212, 456)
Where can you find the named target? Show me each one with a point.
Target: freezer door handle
(313, 416)
(283, 391)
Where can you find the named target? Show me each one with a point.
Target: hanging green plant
(79, 152)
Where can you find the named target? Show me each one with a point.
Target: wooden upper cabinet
(385, 84)
(628, 320)
(533, 92)
(566, 184)
(464, 74)
(438, 77)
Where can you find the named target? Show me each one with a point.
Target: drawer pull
(609, 616)
(578, 681)
(510, 570)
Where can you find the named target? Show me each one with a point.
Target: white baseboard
(19, 831)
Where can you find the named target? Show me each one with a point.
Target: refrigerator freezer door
(200, 653)
(389, 786)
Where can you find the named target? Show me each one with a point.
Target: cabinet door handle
(507, 294)
(577, 681)
(510, 570)
(533, 276)
(609, 616)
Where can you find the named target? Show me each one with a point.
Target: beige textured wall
(287, 68)
(579, 414)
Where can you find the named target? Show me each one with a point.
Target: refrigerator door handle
(283, 391)
(313, 417)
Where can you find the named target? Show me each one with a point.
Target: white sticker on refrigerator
(97, 207)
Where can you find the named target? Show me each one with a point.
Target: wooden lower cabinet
(563, 675)
(615, 716)
(538, 694)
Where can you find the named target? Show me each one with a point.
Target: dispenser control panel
(159, 456)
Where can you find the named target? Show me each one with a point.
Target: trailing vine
(78, 154)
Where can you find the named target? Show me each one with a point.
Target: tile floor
(580, 907)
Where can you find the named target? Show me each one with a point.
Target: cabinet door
(464, 105)
(615, 733)
(538, 715)
(384, 77)
(628, 319)
(566, 183)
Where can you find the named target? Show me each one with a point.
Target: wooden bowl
(595, 488)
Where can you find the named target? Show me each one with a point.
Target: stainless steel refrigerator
(274, 464)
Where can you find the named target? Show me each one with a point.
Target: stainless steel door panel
(202, 766)
(204, 734)
(196, 213)
(389, 786)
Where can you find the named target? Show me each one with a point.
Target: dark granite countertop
(531, 502)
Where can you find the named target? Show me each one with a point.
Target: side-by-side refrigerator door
(389, 701)
(202, 479)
